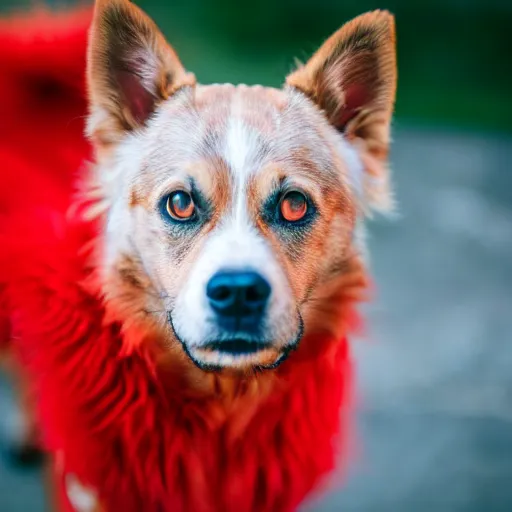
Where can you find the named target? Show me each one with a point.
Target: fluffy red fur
(105, 412)
(42, 91)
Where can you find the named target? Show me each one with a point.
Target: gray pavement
(435, 374)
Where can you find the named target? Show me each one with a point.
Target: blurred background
(435, 369)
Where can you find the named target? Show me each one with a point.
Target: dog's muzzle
(239, 336)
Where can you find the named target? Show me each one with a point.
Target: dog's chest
(151, 457)
(177, 462)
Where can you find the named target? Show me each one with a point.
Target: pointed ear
(352, 77)
(130, 70)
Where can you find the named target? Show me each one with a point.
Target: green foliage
(454, 55)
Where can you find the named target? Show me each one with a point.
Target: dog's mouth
(236, 353)
(236, 347)
(239, 353)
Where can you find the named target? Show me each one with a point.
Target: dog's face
(230, 208)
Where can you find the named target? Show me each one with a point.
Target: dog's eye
(294, 206)
(180, 205)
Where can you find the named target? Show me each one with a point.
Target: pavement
(435, 369)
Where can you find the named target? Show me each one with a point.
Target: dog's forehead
(246, 126)
(259, 107)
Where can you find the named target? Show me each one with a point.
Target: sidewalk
(436, 377)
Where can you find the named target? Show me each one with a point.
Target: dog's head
(231, 209)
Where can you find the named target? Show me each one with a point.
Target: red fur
(140, 445)
(42, 104)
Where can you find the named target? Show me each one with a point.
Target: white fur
(239, 150)
(146, 64)
(348, 153)
(236, 152)
(81, 499)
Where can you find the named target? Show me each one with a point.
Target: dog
(183, 315)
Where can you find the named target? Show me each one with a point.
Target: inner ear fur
(131, 69)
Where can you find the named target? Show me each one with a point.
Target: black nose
(238, 295)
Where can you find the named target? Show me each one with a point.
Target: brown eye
(180, 205)
(294, 206)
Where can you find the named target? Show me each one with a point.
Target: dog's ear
(130, 69)
(352, 78)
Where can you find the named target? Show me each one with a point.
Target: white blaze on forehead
(240, 152)
(236, 155)
(238, 147)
